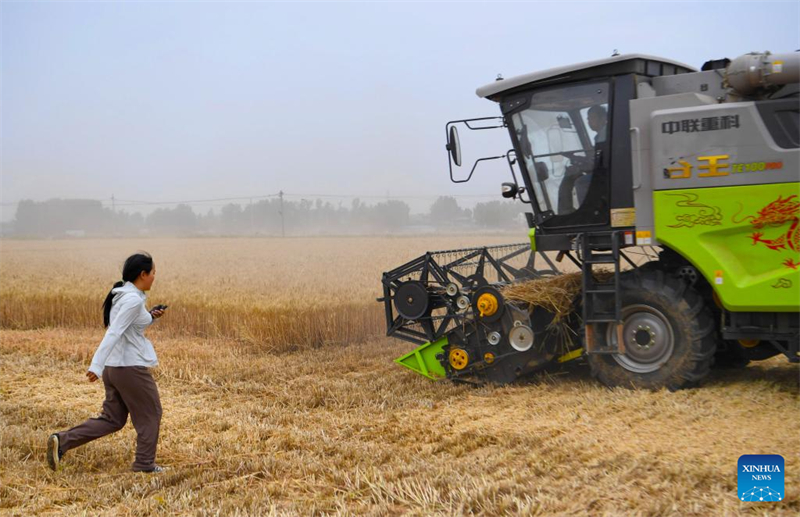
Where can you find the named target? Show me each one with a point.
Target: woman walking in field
(123, 360)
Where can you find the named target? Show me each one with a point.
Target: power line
(384, 196)
(195, 201)
(116, 202)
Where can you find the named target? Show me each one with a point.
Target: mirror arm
(500, 122)
(478, 128)
(473, 167)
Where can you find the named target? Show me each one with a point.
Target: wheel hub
(644, 336)
(649, 339)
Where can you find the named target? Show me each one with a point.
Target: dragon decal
(701, 215)
(774, 215)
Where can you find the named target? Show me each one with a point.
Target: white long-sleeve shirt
(124, 343)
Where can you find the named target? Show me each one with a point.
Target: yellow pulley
(459, 358)
(487, 304)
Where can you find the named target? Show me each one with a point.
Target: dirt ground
(342, 430)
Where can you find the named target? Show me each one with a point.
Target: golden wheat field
(281, 398)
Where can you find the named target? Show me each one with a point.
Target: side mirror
(454, 146)
(510, 190)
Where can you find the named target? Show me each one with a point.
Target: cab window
(559, 134)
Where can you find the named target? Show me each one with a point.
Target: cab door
(564, 136)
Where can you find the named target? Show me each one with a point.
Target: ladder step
(603, 251)
(600, 261)
(603, 316)
(606, 351)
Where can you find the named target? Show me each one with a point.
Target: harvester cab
(699, 167)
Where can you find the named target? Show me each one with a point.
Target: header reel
(431, 294)
(453, 300)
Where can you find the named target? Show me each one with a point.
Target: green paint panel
(745, 240)
(532, 237)
(423, 359)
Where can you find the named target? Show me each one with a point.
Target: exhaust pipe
(748, 73)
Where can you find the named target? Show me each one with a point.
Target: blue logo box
(761, 478)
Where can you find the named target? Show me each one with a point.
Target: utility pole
(252, 231)
(283, 229)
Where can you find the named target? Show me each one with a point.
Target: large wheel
(668, 333)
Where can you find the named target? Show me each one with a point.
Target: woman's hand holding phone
(158, 311)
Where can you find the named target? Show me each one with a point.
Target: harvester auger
(630, 151)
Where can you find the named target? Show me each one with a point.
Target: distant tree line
(78, 217)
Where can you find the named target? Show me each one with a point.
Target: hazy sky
(186, 100)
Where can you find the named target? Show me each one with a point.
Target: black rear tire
(668, 333)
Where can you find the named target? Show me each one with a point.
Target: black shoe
(54, 453)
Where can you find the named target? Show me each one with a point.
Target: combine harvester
(617, 155)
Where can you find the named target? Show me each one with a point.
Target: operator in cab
(597, 117)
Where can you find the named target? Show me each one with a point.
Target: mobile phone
(159, 308)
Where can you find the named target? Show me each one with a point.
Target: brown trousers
(128, 389)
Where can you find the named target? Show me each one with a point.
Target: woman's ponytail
(107, 304)
(134, 266)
